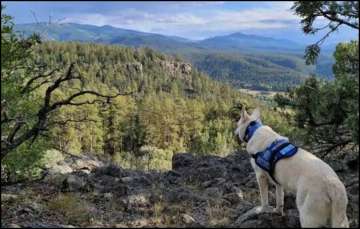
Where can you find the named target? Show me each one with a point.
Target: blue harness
(268, 158)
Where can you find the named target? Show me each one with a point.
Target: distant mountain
(100, 34)
(112, 35)
(244, 60)
(251, 42)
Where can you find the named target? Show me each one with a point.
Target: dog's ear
(256, 114)
(244, 114)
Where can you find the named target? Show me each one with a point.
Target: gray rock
(110, 170)
(8, 197)
(108, 196)
(182, 160)
(77, 181)
(187, 219)
(180, 194)
(12, 225)
(213, 192)
(234, 198)
(127, 179)
(266, 219)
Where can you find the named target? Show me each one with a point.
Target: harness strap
(278, 150)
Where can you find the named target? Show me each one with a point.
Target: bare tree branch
(10, 142)
(32, 80)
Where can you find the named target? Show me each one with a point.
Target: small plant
(73, 209)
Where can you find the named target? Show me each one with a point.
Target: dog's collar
(250, 129)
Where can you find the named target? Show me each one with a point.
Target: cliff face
(174, 69)
(199, 191)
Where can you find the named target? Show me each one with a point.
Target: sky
(192, 20)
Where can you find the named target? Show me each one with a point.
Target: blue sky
(193, 20)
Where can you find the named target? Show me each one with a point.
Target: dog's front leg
(279, 199)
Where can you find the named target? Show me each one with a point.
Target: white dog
(320, 195)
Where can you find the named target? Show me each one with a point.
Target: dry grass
(218, 214)
(73, 209)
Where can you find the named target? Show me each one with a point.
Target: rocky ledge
(207, 191)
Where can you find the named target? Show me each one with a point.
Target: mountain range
(244, 60)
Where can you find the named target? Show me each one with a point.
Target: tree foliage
(329, 111)
(337, 13)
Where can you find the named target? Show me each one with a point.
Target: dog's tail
(339, 203)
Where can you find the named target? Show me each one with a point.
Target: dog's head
(244, 121)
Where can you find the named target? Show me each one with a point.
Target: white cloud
(194, 23)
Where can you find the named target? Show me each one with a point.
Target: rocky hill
(207, 191)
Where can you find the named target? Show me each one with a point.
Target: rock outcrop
(207, 191)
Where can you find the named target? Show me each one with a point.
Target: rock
(120, 225)
(25, 210)
(127, 179)
(4, 174)
(211, 173)
(185, 68)
(207, 184)
(182, 160)
(85, 170)
(106, 184)
(172, 177)
(86, 162)
(36, 207)
(8, 197)
(76, 181)
(139, 223)
(133, 198)
(353, 163)
(142, 181)
(60, 169)
(289, 201)
(219, 181)
(214, 182)
(267, 219)
(234, 198)
(110, 170)
(108, 195)
(136, 200)
(187, 219)
(12, 225)
(213, 192)
(337, 166)
(180, 194)
(46, 225)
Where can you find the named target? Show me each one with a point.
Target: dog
(320, 195)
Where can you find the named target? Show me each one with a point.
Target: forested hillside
(171, 107)
(249, 71)
(248, 61)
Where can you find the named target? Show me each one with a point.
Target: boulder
(182, 160)
(187, 219)
(267, 219)
(110, 170)
(74, 183)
